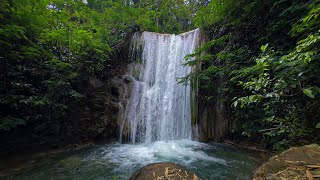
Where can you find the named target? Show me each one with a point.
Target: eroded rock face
(301, 163)
(213, 120)
(214, 115)
(163, 171)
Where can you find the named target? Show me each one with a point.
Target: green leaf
(264, 47)
(318, 126)
(7, 123)
(308, 92)
(235, 104)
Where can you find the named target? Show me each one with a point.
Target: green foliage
(215, 12)
(8, 122)
(279, 84)
(49, 47)
(273, 90)
(308, 23)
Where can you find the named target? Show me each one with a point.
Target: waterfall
(158, 107)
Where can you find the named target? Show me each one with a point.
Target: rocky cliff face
(213, 120)
(213, 116)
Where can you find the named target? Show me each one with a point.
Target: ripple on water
(119, 161)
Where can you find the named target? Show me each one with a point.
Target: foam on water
(120, 161)
(126, 156)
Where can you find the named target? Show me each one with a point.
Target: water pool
(120, 161)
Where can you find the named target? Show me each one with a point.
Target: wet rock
(164, 170)
(41, 128)
(213, 118)
(95, 82)
(301, 163)
(128, 79)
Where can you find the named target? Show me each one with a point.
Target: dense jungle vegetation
(263, 56)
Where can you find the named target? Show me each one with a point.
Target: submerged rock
(164, 171)
(71, 162)
(301, 163)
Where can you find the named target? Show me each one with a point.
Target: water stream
(159, 107)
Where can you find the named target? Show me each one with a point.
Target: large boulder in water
(163, 171)
(301, 163)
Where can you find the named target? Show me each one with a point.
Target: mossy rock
(163, 171)
(301, 163)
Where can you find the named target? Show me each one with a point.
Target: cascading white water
(159, 107)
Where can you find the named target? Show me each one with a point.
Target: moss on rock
(300, 163)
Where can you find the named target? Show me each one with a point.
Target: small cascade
(158, 107)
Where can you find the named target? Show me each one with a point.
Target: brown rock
(164, 171)
(301, 163)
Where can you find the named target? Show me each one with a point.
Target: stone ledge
(301, 163)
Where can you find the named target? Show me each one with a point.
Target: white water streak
(159, 107)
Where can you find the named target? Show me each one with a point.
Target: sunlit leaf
(308, 92)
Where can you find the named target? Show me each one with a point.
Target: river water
(120, 161)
